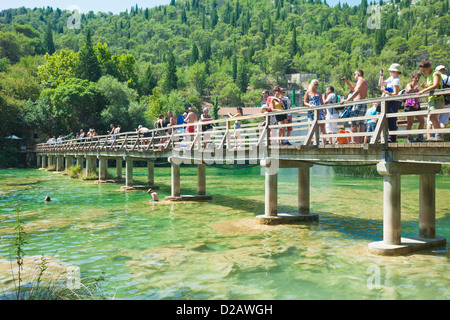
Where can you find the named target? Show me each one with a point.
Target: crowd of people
(278, 101)
(434, 79)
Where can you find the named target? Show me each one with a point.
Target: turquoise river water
(214, 249)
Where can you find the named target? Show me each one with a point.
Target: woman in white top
(391, 87)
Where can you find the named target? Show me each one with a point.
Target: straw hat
(395, 67)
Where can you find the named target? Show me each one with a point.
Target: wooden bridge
(257, 142)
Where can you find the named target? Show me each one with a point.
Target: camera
(343, 78)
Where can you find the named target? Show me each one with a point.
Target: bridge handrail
(168, 137)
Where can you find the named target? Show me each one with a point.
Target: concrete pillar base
(286, 218)
(407, 245)
(139, 188)
(189, 198)
(104, 181)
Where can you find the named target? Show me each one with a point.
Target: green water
(214, 249)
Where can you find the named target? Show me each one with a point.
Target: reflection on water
(214, 249)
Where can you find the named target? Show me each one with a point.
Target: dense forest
(61, 71)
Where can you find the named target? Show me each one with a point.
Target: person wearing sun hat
(391, 87)
(433, 82)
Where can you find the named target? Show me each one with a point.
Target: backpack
(343, 140)
(277, 105)
(446, 85)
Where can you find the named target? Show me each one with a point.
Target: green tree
(170, 79)
(147, 82)
(88, 67)
(197, 76)
(194, 54)
(58, 68)
(48, 40)
(76, 104)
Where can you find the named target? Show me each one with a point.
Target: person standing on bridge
(206, 127)
(237, 126)
(391, 87)
(190, 118)
(413, 105)
(314, 98)
(359, 90)
(433, 82)
(332, 113)
(443, 117)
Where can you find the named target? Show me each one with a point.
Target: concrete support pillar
(129, 172)
(80, 161)
(427, 206)
(271, 214)
(150, 173)
(393, 243)
(50, 161)
(119, 169)
(303, 189)
(391, 210)
(59, 163)
(102, 168)
(175, 176)
(44, 161)
(201, 179)
(91, 165)
(67, 162)
(271, 193)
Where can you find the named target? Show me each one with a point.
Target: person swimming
(153, 194)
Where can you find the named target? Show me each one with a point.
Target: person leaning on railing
(433, 82)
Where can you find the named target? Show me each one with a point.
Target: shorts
(443, 117)
(289, 121)
(436, 104)
(147, 134)
(281, 117)
(358, 110)
(190, 129)
(237, 125)
(411, 108)
(331, 127)
(370, 126)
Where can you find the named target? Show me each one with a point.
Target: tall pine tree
(88, 66)
(170, 78)
(48, 40)
(147, 83)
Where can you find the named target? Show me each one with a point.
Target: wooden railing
(258, 131)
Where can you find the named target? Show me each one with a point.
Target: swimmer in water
(153, 194)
